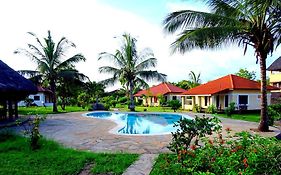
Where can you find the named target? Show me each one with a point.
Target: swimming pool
(140, 123)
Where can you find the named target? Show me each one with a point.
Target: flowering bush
(240, 154)
(192, 129)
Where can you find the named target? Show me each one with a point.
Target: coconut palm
(130, 68)
(194, 80)
(255, 23)
(51, 60)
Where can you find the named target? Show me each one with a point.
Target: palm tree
(131, 68)
(255, 23)
(194, 80)
(50, 59)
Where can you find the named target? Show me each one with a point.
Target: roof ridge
(167, 87)
(231, 81)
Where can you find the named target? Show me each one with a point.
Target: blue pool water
(141, 123)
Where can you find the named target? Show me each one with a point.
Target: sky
(95, 26)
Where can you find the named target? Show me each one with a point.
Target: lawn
(17, 158)
(252, 117)
(48, 110)
(150, 109)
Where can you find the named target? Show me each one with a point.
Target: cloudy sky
(93, 26)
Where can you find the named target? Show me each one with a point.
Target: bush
(174, 104)
(196, 108)
(242, 153)
(230, 110)
(123, 100)
(32, 131)
(274, 113)
(83, 99)
(211, 109)
(190, 129)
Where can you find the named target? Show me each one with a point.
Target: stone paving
(142, 166)
(77, 131)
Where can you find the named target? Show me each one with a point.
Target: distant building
(42, 98)
(275, 77)
(150, 96)
(221, 92)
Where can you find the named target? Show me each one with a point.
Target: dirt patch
(87, 170)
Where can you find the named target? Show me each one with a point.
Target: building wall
(154, 101)
(253, 96)
(275, 79)
(39, 99)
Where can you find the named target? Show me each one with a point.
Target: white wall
(38, 102)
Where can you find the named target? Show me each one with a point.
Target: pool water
(141, 123)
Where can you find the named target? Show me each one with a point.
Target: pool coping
(114, 130)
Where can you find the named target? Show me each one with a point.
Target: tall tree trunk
(53, 89)
(263, 126)
(132, 104)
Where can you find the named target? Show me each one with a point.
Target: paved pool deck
(80, 132)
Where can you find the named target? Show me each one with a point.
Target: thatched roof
(276, 65)
(12, 84)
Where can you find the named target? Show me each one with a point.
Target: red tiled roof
(161, 89)
(226, 83)
(41, 89)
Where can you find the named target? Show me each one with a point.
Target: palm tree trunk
(263, 126)
(132, 104)
(53, 89)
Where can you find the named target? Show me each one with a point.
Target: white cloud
(92, 26)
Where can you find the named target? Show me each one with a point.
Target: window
(243, 99)
(166, 98)
(226, 101)
(36, 98)
(206, 101)
(155, 99)
(218, 101)
(174, 97)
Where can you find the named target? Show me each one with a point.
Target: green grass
(17, 158)
(150, 109)
(48, 110)
(252, 117)
(162, 165)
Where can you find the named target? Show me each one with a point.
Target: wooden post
(10, 109)
(16, 110)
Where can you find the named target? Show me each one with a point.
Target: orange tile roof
(160, 89)
(226, 83)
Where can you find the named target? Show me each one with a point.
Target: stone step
(142, 166)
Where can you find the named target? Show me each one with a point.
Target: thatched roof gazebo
(13, 88)
(275, 66)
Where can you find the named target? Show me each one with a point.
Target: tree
(194, 79)
(130, 68)
(69, 83)
(94, 89)
(184, 84)
(246, 74)
(50, 59)
(253, 23)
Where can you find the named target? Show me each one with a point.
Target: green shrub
(230, 110)
(118, 105)
(83, 99)
(123, 100)
(174, 104)
(240, 154)
(212, 109)
(274, 113)
(190, 129)
(196, 108)
(32, 131)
